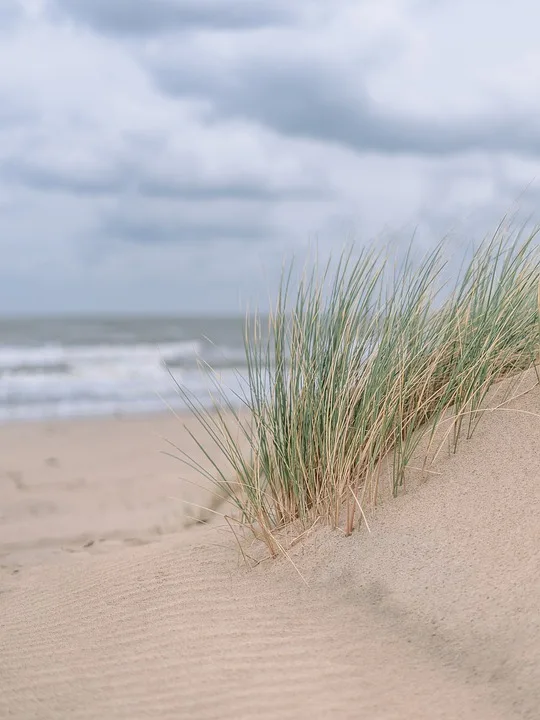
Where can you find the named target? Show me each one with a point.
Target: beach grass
(357, 363)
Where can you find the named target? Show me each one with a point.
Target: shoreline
(101, 417)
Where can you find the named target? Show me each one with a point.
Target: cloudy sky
(167, 155)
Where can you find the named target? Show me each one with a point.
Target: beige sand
(435, 614)
(93, 485)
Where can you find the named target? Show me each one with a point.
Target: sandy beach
(269, 360)
(111, 606)
(89, 485)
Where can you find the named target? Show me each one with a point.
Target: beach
(269, 360)
(115, 604)
(87, 485)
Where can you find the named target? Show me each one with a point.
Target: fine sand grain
(434, 614)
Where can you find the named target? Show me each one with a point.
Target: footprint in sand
(17, 478)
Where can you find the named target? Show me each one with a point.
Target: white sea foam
(55, 380)
(13, 358)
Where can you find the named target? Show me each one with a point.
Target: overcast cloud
(167, 155)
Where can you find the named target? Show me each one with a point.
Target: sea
(61, 367)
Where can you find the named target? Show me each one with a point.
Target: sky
(168, 156)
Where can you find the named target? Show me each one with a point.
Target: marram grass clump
(352, 365)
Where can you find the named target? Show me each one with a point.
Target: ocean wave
(215, 358)
(73, 356)
(64, 381)
(48, 395)
(36, 369)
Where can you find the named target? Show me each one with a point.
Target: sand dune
(434, 614)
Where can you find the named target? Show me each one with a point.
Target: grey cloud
(509, 199)
(10, 13)
(146, 17)
(234, 191)
(50, 179)
(311, 103)
(14, 113)
(149, 232)
(120, 179)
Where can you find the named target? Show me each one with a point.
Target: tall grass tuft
(353, 364)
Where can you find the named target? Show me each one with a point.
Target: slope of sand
(434, 614)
